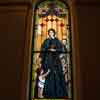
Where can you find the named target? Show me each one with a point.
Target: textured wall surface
(12, 30)
(15, 1)
(88, 26)
(13, 23)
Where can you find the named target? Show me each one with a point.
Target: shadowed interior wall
(12, 37)
(13, 23)
(88, 26)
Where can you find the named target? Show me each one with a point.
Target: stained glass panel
(51, 52)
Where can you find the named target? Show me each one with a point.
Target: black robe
(55, 86)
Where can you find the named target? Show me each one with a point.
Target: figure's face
(51, 34)
(41, 72)
(64, 42)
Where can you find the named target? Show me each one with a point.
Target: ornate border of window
(26, 69)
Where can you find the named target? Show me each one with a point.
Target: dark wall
(12, 36)
(89, 33)
(13, 24)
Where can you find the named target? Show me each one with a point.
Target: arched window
(51, 51)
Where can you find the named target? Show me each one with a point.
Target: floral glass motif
(51, 16)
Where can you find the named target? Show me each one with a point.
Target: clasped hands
(52, 49)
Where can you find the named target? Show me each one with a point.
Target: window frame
(25, 76)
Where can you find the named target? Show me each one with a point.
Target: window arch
(55, 15)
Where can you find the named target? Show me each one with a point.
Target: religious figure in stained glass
(51, 66)
(54, 85)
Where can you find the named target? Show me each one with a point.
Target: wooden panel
(88, 2)
(88, 26)
(12, 37)
(15, 1)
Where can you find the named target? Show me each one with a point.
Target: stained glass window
(51, 52)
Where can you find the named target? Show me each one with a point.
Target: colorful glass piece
(55, 53)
